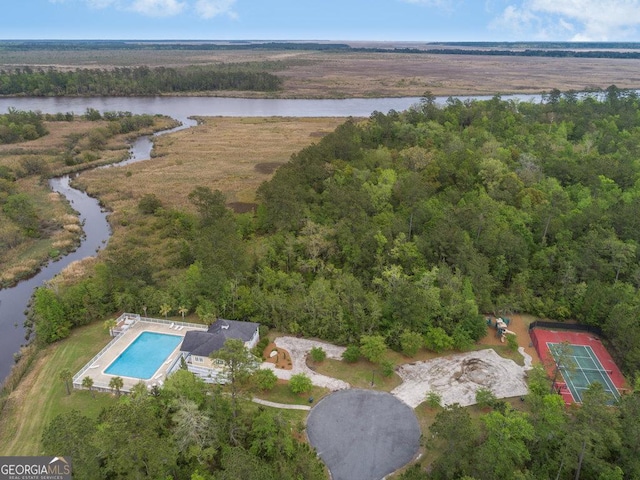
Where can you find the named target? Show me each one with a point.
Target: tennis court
(580, 368)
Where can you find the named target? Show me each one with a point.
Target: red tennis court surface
(541, 337)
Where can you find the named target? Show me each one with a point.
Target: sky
(349, 20)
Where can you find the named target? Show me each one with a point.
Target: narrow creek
(14, 301)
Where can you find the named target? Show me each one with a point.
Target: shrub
(434, 399)
(437, 339)
(388, 367)
(300, 383)
(410, 342)
(149, 204)
(351, 354)
(317, 354)
(485, 398)
(265, 379)
(512, 342)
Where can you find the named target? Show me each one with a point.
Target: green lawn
(282, 394)
(360, 374)
(41, 395)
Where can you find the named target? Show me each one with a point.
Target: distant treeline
(518, 49)
(72, 45)
(131, 81)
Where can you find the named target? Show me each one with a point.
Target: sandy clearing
(457, 378)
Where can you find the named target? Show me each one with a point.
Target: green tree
(454, 431)
(165, 309)
(265, 379)
(437, 340)
(50, 319)
(594, 433)
(87, 382)
(191, 430)
(72, 434)
(183, 384)
(109, 325)
(270, 438)
(373, 347)
(19, 207)
(116, 383)
(511, 428)
(410, 342)
(66, 376)
(300, 383)
(351, 354)
(134, 441)
(239, 365)
(149, 204)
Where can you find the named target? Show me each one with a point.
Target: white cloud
(580, 20)
(165, 8)
(214, 8)
(157, 8)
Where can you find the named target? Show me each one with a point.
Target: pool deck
(96, 368)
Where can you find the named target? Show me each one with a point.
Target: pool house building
(150, 349)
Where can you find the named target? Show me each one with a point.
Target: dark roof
(205, 343)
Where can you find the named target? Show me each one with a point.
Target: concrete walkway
(287, 406)
(299, 348)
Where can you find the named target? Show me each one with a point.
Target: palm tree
(116, 383)
(165, 309)
(65, 376)
(87, 382)
(182, 310)
(109, 325)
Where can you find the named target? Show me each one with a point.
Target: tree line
(406, 228)
(411, 222)
(186, 429)
(123, 81)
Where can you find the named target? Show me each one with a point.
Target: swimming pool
(144, 356)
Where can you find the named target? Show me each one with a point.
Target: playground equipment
(502, 325)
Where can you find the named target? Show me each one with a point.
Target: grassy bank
(41, 395)
(33, 162)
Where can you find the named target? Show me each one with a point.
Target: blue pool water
(144, 356)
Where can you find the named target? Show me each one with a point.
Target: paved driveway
(363, 434)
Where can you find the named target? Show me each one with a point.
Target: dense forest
(124, 81)
(407, 223)
(184, 430)
(413, 221)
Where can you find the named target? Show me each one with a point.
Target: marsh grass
(59, 224)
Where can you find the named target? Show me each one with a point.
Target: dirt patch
(281, 358)
(242, 207)
(267, 168)
(457, 378)
(519, 324)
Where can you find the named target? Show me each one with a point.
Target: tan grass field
(314, 74)
(233, 155)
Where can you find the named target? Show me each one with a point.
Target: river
(14, 301)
